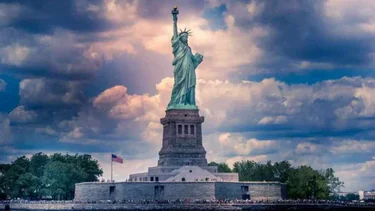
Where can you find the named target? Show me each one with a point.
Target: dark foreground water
(250, 208)
(303, 208)
(276, 209)
(189, 207)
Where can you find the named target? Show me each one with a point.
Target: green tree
(298, 182)
(37, 163)
(334, 183)
(59, 179)
(352, 197)
(85, 162)
(302, 182)
(3, 169)
(252, 171)
(347, 197)
(27, 184)
(89, 166)
(305, 182)
(245, 169)
(282, 171)
(59, 157)
(221, 167)
(265, 172)
(212, 164)
(43, 175)
(11, 185)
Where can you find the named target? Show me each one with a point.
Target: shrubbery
(303, 182)
(42, 176)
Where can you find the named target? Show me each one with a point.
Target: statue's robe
(184, 63)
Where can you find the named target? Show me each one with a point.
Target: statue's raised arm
(174, 14)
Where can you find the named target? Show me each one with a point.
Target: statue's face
(184, 37)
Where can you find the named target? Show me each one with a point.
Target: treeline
(44, 176)
(347, 197)
(303, 182)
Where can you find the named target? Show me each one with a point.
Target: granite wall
(228, 177)
(254, 190)
(188, 206)
(190, 190)
(92, 191)
(179, 190)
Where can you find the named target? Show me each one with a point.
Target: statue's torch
(175, 11)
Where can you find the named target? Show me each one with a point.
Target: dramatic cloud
(353, 146)
(331, 106)
(60, 54)
(15, 54)
(50, 92)
(235, 145)
(5, 130)
(44, 17)
(22, 115)
(309, 34)
(3, 85)
(96, 76)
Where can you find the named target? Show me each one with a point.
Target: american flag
(117, 159)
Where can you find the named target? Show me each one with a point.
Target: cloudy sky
(278, 82)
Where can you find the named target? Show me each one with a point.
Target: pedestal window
(112, 189)
(159, 191)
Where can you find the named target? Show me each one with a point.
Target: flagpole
(111, 168)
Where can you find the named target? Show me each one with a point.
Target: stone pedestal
(182, 139)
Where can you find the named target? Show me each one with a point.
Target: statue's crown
(188, 32)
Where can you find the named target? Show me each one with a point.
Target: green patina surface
(185, 63)
(181, 106)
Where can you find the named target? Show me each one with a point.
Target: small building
(366, 195)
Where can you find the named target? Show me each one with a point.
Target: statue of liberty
(185, 63)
